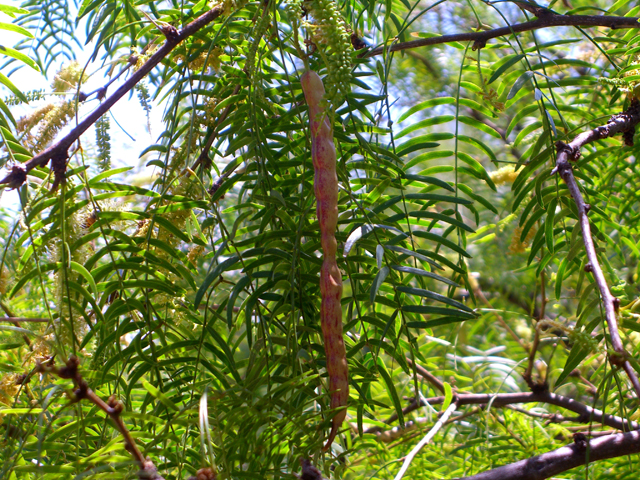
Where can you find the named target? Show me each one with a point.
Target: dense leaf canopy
(489, 251)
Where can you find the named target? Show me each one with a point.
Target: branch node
(627, 137)
(17, 177)
(539, 388)
(571, 152)
(309, 471)
(587, 208)
(22, 379)
(149, 471)
(116, 406)
(478, 45)
(170, 32)
(59, 168)
(70, 370)
(617, 359)
(101, 93)
(588, 268)
(580, 441)
(81, 392)
(616, 303)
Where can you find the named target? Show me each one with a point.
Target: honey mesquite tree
(370, 240)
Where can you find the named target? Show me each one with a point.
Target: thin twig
(532, 356)
(624, 123)
(549, 417)
(203, 158)
(14, 320)
(428, 376)
(585, 412)
(58, 153)
(477, 291)
(426, 439)
(549, 19)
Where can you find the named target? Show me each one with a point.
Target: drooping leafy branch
(58, 153)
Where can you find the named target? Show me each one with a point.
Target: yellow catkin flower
(516, 245)
(143, 228)
(40, 351)
(138, 59)
(68, 77)
(9, 388)
(27, 124)
(230, 6)
(194, 254)
(4, 280)
(506, 174)
(49, 120)
(55, 120)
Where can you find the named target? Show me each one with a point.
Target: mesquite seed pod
(325, 185)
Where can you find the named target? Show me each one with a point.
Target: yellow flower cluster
(138, 59)
(194, 254)
(40, 351)
(230, 6)
(506, 174)
(204, 60)
(68, 77)
(518, 246)
(9, 387)
(49, 119)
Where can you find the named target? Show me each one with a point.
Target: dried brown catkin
(325, 185)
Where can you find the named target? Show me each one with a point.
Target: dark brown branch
(565, 458)
(547, 20)
(624, 123)
(586, 413)
(112, 407)
(59, 151)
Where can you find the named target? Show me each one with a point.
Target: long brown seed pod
(325, 185)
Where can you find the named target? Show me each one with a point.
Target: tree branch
(546, 20)
(586, 413)
(565, 458)
(624, 123)
(112, 407)
(58, 153)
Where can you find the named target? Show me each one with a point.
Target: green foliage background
(198, 307)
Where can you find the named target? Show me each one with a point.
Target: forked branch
(112, 407)
(624, 123)
(58, 153)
